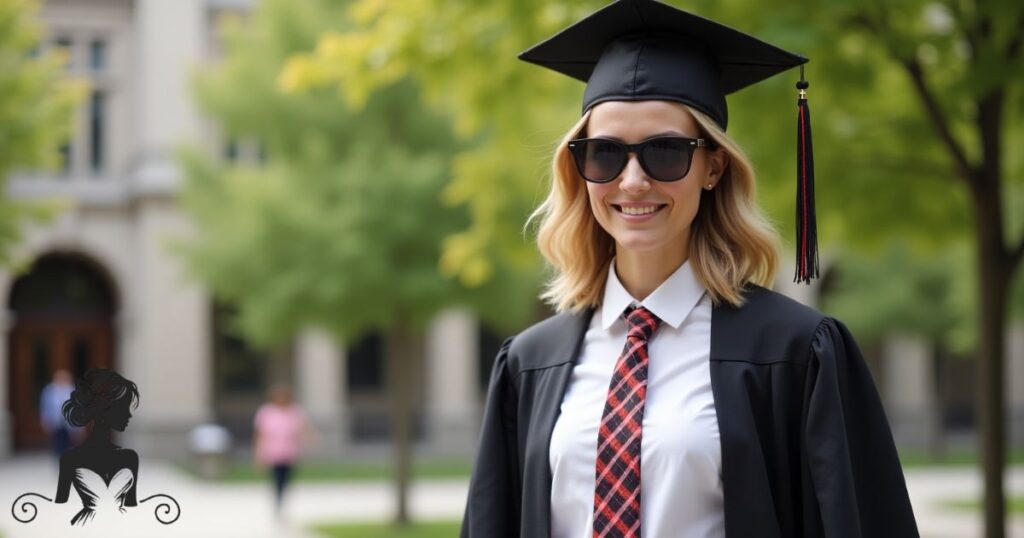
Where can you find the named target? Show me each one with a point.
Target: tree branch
(878, 26)
(969, 27)
(938, 119)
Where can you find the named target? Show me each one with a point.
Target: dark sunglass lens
(603, 160)
(667, 159)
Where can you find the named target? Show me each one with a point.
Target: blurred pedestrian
(51, 416)
(281, 430)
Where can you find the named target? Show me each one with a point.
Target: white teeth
(639, 210)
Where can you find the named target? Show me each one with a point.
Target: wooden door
(40, 348)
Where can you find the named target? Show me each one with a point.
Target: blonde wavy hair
(731, 241)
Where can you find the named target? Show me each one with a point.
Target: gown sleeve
(493, 505)
(859, 486)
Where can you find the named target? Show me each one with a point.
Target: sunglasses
(663, 158)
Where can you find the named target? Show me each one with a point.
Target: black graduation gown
(806, 448)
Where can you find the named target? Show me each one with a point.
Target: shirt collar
(672, 301)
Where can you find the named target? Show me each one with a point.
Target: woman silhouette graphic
(104, 474)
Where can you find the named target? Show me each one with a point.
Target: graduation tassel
(806, 227)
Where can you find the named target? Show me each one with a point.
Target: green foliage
(901, 290)
(36, 105)
(354, 471)
(463, 55)
(341, 225)
(1015, 505)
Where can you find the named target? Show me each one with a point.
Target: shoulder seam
(544, 367)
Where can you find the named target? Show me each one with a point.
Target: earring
(709, 186)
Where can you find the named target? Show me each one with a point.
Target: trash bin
(211, 448)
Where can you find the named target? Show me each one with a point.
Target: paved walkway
(244, 510)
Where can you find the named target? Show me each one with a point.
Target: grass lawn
(445, 529)
(1015, 505)
(327, 471)
(343, 471)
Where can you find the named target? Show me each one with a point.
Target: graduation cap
(633, 50)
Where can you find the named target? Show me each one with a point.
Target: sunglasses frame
(579, 144)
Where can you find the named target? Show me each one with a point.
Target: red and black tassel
(806, 227)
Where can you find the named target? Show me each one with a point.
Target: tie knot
(642, 323)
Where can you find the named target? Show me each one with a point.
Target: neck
(642, 272)
(100, 436)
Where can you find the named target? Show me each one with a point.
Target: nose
(634, 179)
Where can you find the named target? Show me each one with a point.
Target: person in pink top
(281, 429)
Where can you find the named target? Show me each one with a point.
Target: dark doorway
(63, 312)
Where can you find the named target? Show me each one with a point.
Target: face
(280, 395)
(118, 414)
(62, 377)
(667, 209)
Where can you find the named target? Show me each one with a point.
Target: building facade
(104, 289)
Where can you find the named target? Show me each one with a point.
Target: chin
(638, 244)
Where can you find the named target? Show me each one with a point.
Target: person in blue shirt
(51, 418)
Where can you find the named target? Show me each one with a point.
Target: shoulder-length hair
(731, 241)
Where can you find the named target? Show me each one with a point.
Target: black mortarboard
(633, 50)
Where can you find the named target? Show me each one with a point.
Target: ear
(718, 161)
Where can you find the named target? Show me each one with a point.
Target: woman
(673, 395)
(104, 474)
(280, 431)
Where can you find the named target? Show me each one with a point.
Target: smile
(638, 210)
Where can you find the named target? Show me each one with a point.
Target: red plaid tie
(617, 491)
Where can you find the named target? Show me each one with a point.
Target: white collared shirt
(681, 460)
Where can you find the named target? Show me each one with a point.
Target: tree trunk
(402, 360)
(991, 344)
(995, 267)
(993, 275)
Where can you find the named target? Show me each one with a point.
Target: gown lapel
(553, 362)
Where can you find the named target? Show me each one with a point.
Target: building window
(96, 131)
(65, 159)
(87, 152)
(231, 150)
(66, 47)
(366, 365)
(243, 150)
(97, 55)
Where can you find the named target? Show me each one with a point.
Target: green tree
(36, 105)
(462, 53)
(915, 102)
(962, 61)
(898, 290)
(901, 290)
(340, 225)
